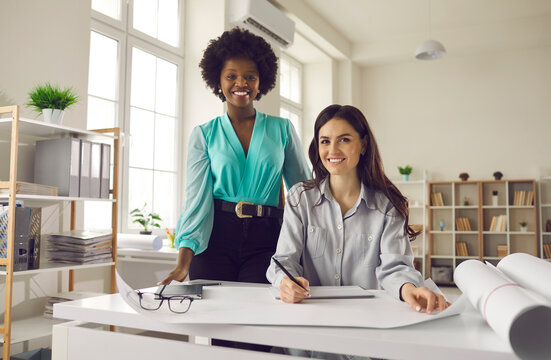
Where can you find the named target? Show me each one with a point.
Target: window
(134, 78)
(290, 85)
(111, 8)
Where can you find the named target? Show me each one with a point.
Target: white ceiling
(378, 31)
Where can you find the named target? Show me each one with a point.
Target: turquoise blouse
(217, 168)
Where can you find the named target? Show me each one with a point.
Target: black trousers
(239, 250)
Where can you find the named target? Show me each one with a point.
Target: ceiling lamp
(430, 49)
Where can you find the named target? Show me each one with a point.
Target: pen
(287, 273)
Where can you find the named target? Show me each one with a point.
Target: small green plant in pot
(405, 171)
(523, 225)
(146, 219)
(51, 101)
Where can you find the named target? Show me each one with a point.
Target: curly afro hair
(235, 43)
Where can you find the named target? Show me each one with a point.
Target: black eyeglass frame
(163, 298)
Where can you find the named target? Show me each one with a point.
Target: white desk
(459, 337)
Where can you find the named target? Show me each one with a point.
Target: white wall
(475, 113)
(44, 41)
(317, 94)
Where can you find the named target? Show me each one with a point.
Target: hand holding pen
(291, 289)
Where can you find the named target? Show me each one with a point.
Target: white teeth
(241, 93)
(336, 160)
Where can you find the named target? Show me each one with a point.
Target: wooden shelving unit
(32, 327)
(415, 192)
(474, 201)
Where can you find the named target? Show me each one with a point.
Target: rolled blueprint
(137, 241)
(514, 313)
(532, 272)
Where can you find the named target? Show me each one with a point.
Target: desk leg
(200, 340)
(60, 340)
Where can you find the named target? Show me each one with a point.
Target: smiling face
(239, 81)
(340, 147)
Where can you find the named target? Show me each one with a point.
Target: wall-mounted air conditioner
(264, 19)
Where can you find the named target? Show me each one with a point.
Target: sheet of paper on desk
(331, 292)
(256, 306)
(514, 299)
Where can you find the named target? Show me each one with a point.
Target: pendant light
(430, 49)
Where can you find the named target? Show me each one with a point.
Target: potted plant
(405, 171)
(146, 219)
(51, 101)
(523, 227)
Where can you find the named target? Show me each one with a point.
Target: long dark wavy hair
(370, 167)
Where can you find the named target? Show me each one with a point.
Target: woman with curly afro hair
(230, 224)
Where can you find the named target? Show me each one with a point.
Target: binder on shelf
(56, 163)
(105, 170)
(95, 169)
(85, 147)
(34, 237)
(26, 247)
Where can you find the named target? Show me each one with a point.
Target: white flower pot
(53, 116)
(523, 229)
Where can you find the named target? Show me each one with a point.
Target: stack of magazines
(62, 297)
(79, 247)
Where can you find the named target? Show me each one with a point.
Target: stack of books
(436, 199)
(502, 251)
(547, 250)
(463, 224)
(498, 224)
(523, 198)
(79, 247)
(461, 248)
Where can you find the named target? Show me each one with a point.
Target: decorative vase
(405, 177)
(53, 116)
(523, 229)
(494, 200)
(170, 238)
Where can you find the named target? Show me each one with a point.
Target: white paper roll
(138, 241)
(532, 272)
(507, 307)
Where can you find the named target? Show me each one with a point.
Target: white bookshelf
(544, 201)
(415, 191)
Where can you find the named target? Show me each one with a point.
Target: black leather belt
(245, 209)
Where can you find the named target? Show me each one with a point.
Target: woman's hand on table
(423, 298)
(180, 272)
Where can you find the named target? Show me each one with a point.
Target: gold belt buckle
(239, 209)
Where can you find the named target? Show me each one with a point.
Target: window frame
(127, 37)
(179, 50)
(179, 62)
(288, 104)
